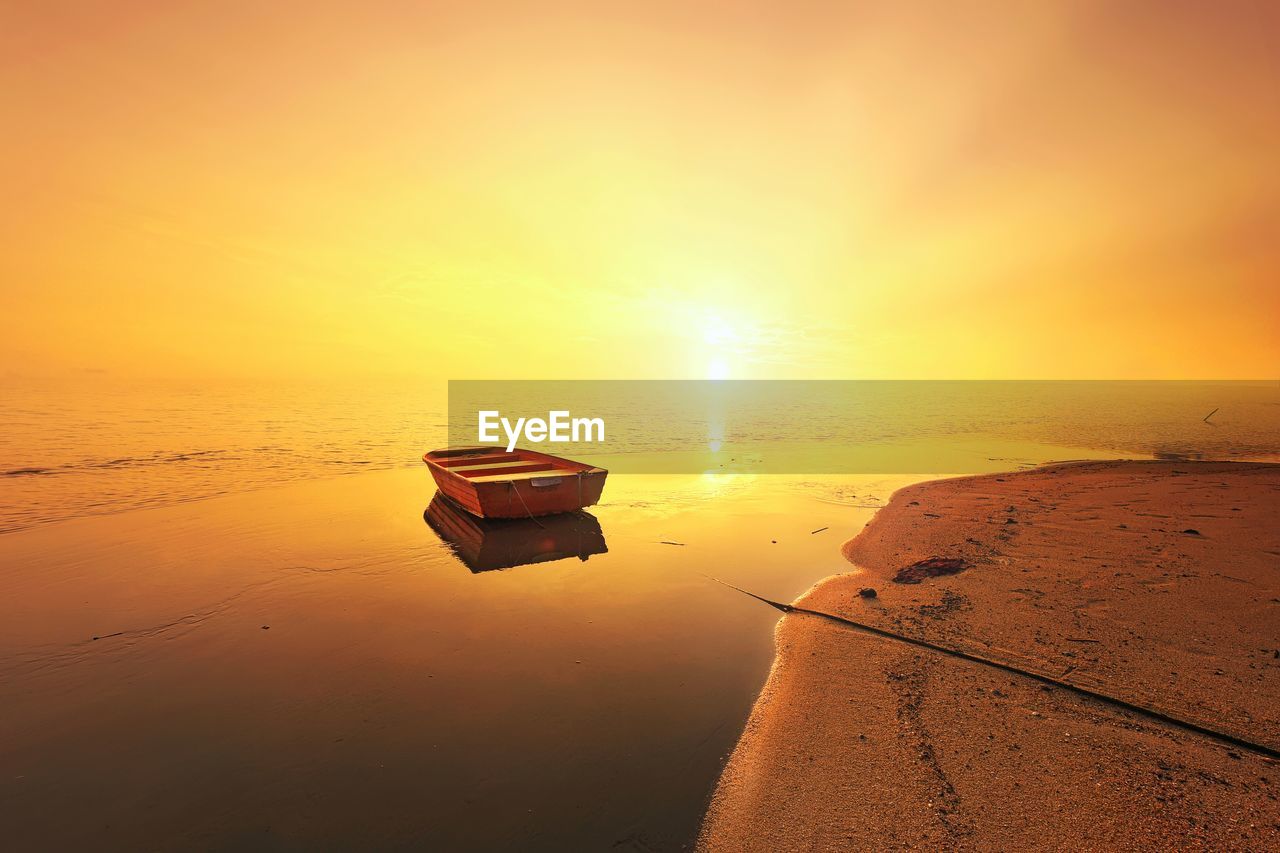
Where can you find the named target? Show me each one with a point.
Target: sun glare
(718, 368)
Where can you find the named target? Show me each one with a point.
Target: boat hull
(493, 483)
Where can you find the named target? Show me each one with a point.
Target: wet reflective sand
(312, 665)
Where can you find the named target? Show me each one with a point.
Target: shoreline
(1109, 575)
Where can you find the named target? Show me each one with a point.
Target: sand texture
(1154, 582)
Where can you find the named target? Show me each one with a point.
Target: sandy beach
(1157, 583)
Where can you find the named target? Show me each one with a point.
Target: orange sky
(391, 190)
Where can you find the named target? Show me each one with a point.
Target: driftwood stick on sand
(1142, 710)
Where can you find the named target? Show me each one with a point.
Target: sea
(73, 452)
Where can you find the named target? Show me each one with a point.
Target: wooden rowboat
(491, 482)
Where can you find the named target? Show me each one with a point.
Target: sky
(421, 191)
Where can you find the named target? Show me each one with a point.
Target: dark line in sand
(1141, 710)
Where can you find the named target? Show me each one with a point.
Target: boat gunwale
(558, 464)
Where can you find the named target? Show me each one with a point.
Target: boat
(486, 544)
(493, 482)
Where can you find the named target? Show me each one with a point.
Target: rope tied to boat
(511, 484)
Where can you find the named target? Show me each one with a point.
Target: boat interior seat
(472, 461)
(524, 475)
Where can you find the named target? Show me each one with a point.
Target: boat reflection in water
(485, 544)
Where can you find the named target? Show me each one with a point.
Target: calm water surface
(68, 453)
(313, 666)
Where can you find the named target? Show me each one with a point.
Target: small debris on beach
(666, 542)
(867, 592)
(774, 541)
(819, 530)
(930, 568)
(266, 627)
(1191, 531)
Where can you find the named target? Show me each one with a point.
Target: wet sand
(1154, 582)
(312, 667)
